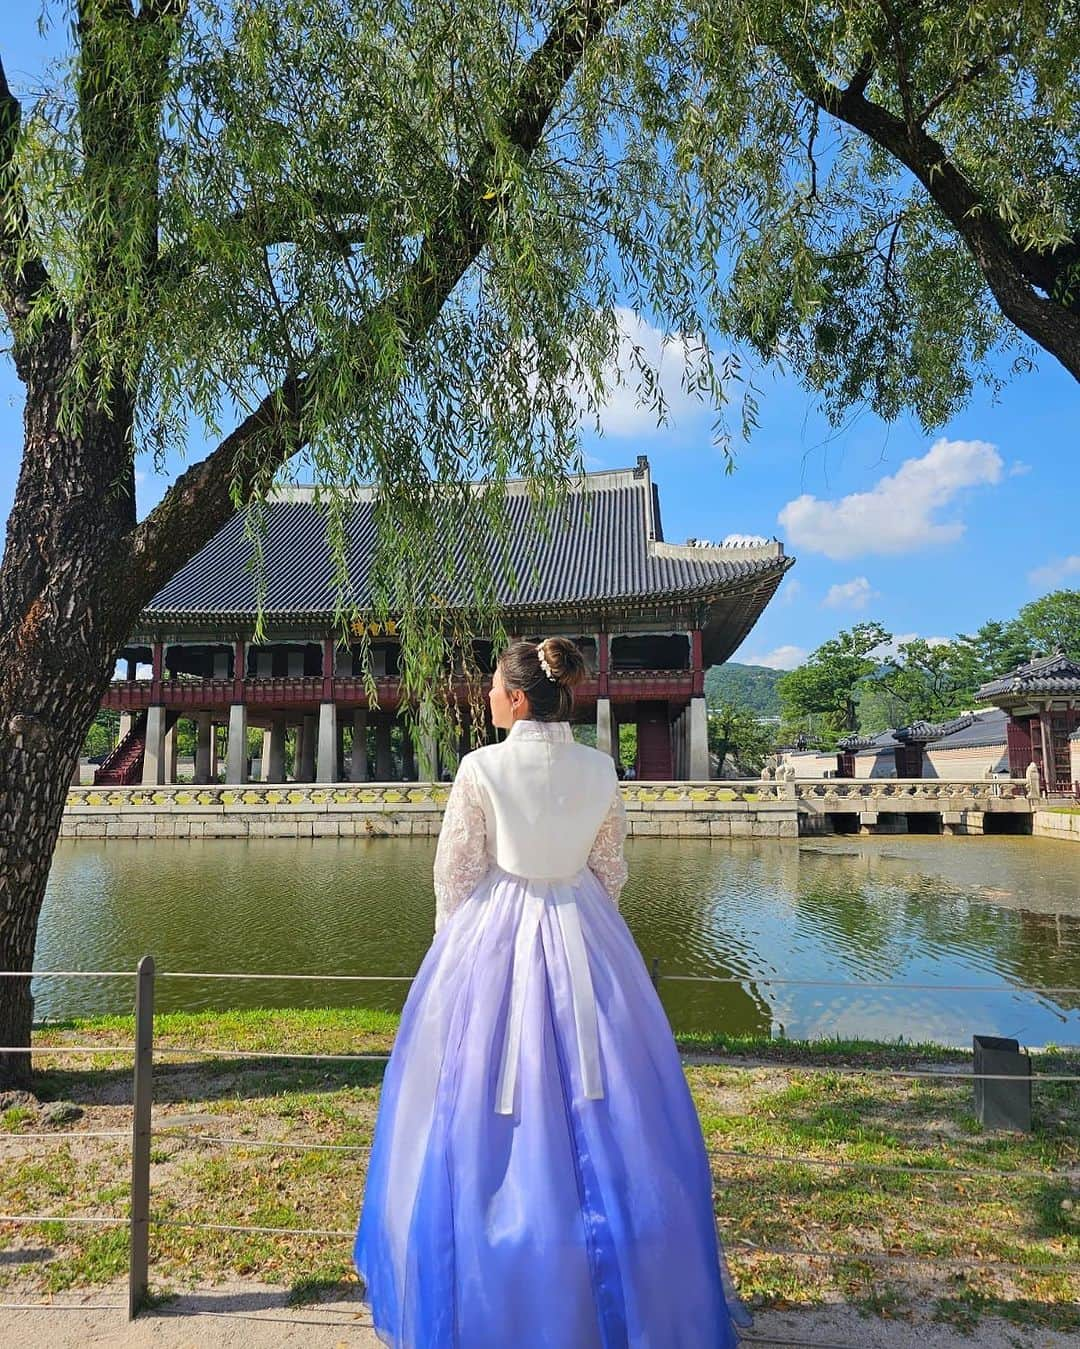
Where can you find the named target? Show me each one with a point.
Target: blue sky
(929, 534)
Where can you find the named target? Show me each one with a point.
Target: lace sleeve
(607, 860)
(461, 859)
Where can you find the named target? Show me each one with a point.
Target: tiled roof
(968, 731)
(982, 729)
(605, 545)
(1054, 674)
(924, 731)
(875, 744)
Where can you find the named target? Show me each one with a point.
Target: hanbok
(538, 1177)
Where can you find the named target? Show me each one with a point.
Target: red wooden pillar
(1046, 730)
(697, 663)
(603, 647)
(328, 649)
(239, 670)
(157, 663)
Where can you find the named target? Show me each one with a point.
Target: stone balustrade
(760, 809)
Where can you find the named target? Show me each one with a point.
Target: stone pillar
(170, 754)
(359, 746)
(153, 771)
(699, 741)
(605, 727)
(384, 759)
(428, 746)
(127, 720)
(274, 766)
(214, 760)
(408, 753)
(236, 762)
(328, 742)
(76, 774)
(306, 753)
(264, 757)
(298, 751)
(202, 747)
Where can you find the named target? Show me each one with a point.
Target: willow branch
(23, 275)
(203, 499)
(1014, 274)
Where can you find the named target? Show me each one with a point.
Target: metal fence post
(654, 973)
(142, 1100)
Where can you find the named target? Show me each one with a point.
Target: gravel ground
(254, 1316)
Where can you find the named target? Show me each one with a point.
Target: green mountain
(749, 686)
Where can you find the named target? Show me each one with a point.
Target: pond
(1000, 913)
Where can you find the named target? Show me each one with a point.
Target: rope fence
(145, 1050)
(748, 978)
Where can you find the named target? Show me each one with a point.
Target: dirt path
(255, 1316)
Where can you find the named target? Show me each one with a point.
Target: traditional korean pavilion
(1042, 700)
(650, 616)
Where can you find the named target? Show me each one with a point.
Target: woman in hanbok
(538, 1177)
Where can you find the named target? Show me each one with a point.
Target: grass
(870, 1172)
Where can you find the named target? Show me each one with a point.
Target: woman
(538, 1178)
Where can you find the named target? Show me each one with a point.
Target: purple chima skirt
(538, 1177)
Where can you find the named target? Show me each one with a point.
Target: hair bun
(565, 661)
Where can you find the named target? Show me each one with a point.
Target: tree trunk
(32, 794)
(66, 607)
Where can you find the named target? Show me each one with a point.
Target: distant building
(965, 747)
(1035, 719)
(1042, 702)
(651, 618)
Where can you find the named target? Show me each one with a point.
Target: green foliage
(922, 680)
(903, 190)
(736, 734)
(828, 685)
(753, 687)
(1050, 623)
(101, 736)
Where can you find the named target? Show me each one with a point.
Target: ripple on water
(997, 911)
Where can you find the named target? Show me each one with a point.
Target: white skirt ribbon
(581, 992)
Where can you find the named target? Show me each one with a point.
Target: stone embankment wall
(669, 810)
(1063, 824)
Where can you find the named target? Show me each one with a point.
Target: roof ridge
(299, 492)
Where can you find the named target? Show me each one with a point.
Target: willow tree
(909, 188)
(386, 239)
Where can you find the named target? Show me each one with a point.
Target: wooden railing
(132, 695)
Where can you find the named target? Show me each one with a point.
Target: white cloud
(671, 356)
(1017, 469)
(782, 658)
(1055, 573)
(789, 591)
(854, 594)
(897, 514)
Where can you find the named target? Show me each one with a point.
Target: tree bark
(65, 607)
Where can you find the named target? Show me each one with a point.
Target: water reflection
(994, 911)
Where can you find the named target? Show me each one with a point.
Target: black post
(142, 1100)
(1001, 1104)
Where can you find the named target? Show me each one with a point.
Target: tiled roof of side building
(984, 729)
(1048, 674)
(969, 731)
(605, 544)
